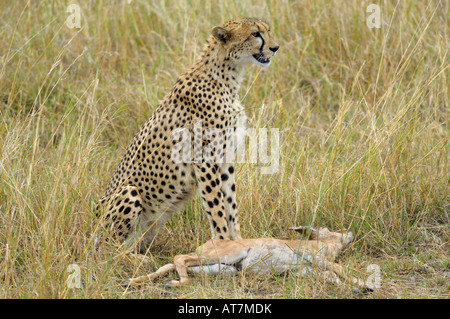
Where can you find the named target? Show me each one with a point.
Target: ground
(364, 141)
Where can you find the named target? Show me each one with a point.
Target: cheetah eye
(256, 34)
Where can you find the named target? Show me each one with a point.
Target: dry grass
(364, 145)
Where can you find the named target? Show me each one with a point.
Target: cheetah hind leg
(122, 216)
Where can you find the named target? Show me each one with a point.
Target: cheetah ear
(221, 34)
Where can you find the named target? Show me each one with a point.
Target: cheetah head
(246, 41)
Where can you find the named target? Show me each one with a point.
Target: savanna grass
(363, 115)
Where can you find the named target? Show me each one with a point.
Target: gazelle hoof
(169, 285)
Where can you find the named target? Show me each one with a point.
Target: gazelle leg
(182, 262)
(339, 270)
(330, 277)
(160, 272)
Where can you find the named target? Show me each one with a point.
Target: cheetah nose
(274, 49)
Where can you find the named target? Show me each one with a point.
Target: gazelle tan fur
(264, 255)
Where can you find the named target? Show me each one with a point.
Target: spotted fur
(149, 186)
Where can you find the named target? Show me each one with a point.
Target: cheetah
(151, 183)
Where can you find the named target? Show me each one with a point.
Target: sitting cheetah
(150, 184)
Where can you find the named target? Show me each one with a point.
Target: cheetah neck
(215, 64)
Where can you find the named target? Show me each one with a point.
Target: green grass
(363, 116)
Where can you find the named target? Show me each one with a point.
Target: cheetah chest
(240, 122)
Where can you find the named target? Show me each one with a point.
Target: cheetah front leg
(210, 186)
(228, 188)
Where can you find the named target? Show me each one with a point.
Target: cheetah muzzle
(259, 57)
